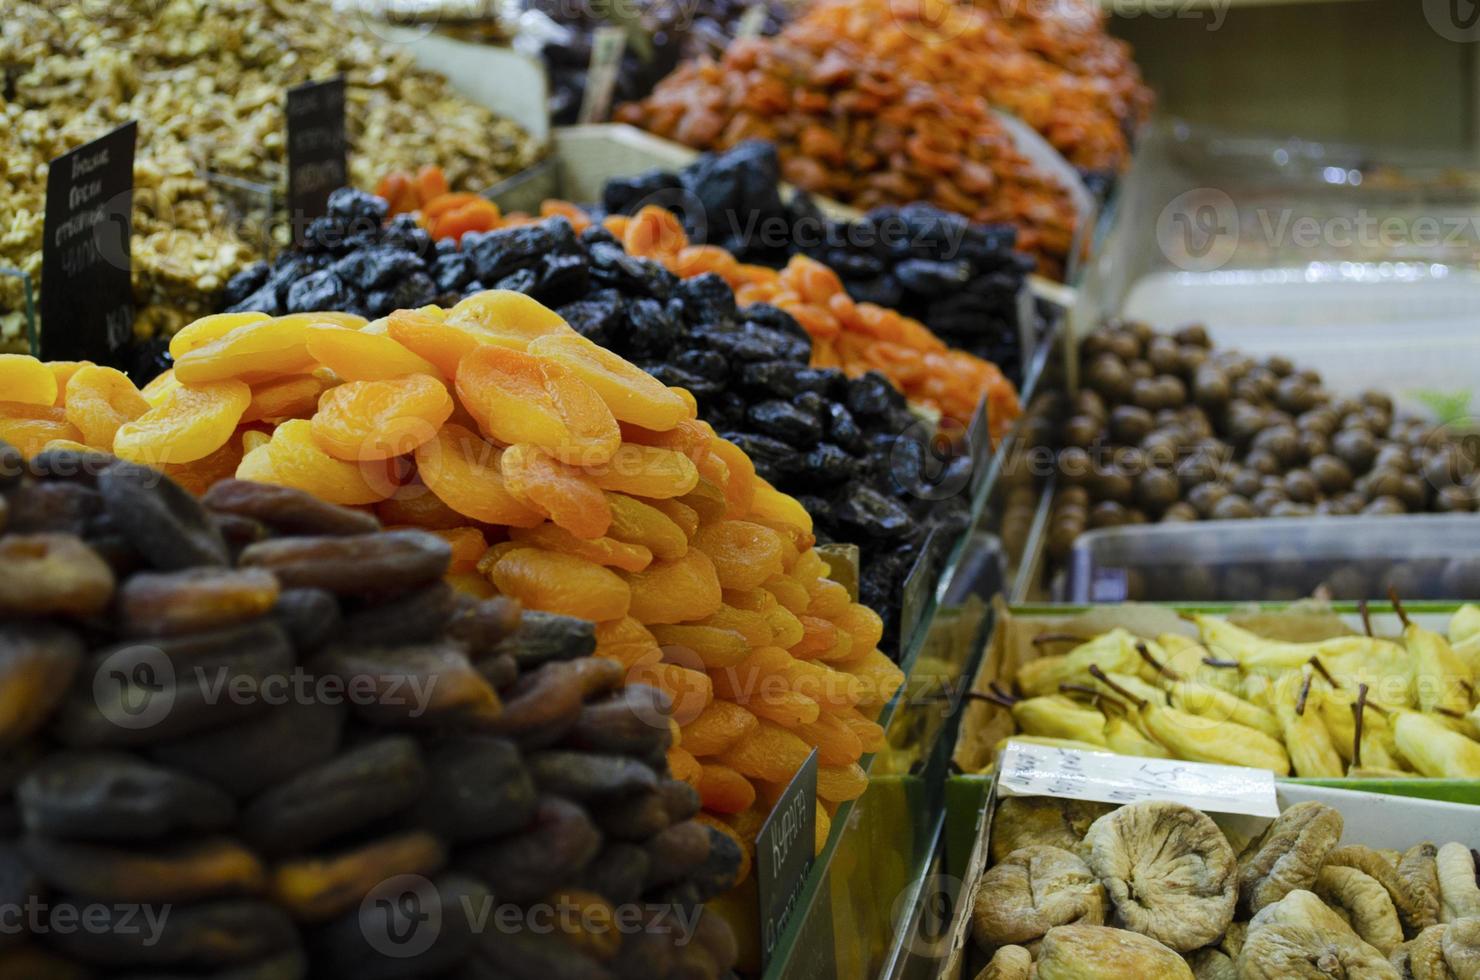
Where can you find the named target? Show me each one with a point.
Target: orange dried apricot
(468, 545)
(632, 394)
(292, 397)
(98, 400)
(808, 568)
(63, 371)
(564, 584)
(688, 437)
(365, 420)
(560, 491)
(187, 423)
(256, 465)
(707, 500)
(254, 352)
(471, 583)
(296, 460)
(464, 472)
(603, 550)
(684, 766)
(30, 427)
(878, 678)
(206, 472)
(862, 624)
(645, 471)
(415, 504)
(753, 600)
(751, 625)
(723, 790)
(690, 690)
(679, 513)
(787, 708)
(787, 629)
(361, 355)
(818, 636)
(626, 641)
(718, 727)
(772, 505)
(836, 742)
(829, 599)
(511, 319)
(25, 379)
(790, 593)
(740, 488)
(160, 386)
(676, 590)
(839, 783)
(740, 915)
(637, 523)
(870, 733)
(714, 647)
(770, 753)
(210, 328)
(519, 398)
(429, 336)
(745, 555)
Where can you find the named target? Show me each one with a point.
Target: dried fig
(1211, 963)
(1032, 890)
(1371, 911)
(1288, 855)
(1461, 946)
(1422, 957)
(1008, 963)
(1299, 937)
(1102, 953)
(1024, 820)
(1458, 894)
(1170, 873)
(1378, 867)
(1418, 870)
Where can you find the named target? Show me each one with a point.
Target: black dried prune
(883, 291)
(703, 363)
(349, 203)
(520, 281)
(560, 277)
(452, 271)
(245, 283)
(651, 332)
(870, 395)
(775, 318)
(403, 232)
(842, 428)
(707, 298)
(785, 421)
(381, 267)
(497, 254)
(829, 464)
(317, 292)
(764, 451)
(599, 317)
(869, 515)
(624, 195)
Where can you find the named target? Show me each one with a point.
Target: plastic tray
(1422, 556)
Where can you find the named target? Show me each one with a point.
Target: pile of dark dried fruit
(269, 728)
(832, 442)
(1166, 428)
(960, 279)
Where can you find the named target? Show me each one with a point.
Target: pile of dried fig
(254, 735)
(1155, 889)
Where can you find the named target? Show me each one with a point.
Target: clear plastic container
(1421, 556)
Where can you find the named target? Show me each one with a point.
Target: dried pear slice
(1169, 871)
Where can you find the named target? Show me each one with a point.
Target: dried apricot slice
(773, 505)
(256, 465)
(296, 460)
(188, 423)
(679, 513)
(870, 733)
(838, 783)
(714, 646)
(723, 790)
(740, 489)
(744, 554)
(362, 420)
(603, 550)
(206, 472)
(829, 599)
(30, 427)
(878, 678)
(718, 727)
(640, 524)
(208, 329)
(862, 624)
(432, 337)
(293, 397)
(770, 753)
(751, 625)
(468, 545)
(358, 355)
(562, 492)
(564, 584)
(837, 744)
(416, 505)
(787, 630)
(512, 319)
(632, 394)
(645, 471)
(161, 385)
(99, 400)
(626, 641)
(464, 472)
(684, 766)
(519, 398)
(688, 437)
(63, 371)
(25, 379)
(255, 352)
(790, 593)
(678, 590)
(690, 690)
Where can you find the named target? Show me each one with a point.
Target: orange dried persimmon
(517, 397)
(464, 472)
(572, 501)
(25, 379)
(511, 319)
(292, 397)
(602, 550)
(296, 460)
(100, 399)
(187, 422)
(363, 355)
(646, 471)
(563, 584)
(365, 420)
(632, 394)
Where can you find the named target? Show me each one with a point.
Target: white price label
(607, 45)
(1040, 770)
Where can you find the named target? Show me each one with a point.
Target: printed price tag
(1026, 769)
(317, 164)
(607, 45)
(87, 297)
(784, 852)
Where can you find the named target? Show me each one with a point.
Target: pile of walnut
(1155, 890)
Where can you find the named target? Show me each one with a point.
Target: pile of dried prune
(269, 735)
(352, 260)
(962, 280)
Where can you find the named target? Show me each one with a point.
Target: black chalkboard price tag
(317, 146)
(87, 297)
(784, 853)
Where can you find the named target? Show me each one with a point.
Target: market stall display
(1330, 707)
(207, 83)
(1168, 428)
(278, 828)
(848, 129)
(1156, 888)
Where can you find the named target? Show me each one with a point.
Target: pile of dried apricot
(560, 474)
